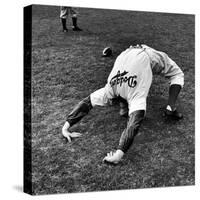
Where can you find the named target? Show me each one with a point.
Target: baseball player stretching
(130, 80)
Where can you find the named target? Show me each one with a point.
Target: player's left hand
(68, 135)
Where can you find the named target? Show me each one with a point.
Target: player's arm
(127, 137)
(131, 130)
(80, 110)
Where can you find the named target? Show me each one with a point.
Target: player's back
(128, 71)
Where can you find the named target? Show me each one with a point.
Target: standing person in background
(64, 13)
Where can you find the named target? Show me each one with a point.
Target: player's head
(107, 52)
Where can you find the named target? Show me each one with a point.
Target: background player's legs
(64, 22)
(74, 22)
(63, 17)
(74, 14)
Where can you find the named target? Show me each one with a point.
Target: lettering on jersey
(121, 78)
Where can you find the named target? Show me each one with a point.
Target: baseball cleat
(173, 114)
(76, 29)
(123, 112)
(110, 163)
(113, 157)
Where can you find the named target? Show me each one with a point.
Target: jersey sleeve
(131, 130)
(171, 70)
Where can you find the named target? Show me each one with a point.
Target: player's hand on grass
(69, 135)
(114, 157)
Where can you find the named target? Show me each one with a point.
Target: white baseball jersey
(131, 76)
(65, 11)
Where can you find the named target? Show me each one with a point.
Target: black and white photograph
(109, 99)
(99, 99)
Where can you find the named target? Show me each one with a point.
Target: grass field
(67, 67)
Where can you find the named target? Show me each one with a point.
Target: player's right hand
(114, 157)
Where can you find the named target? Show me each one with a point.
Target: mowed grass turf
(67, 67)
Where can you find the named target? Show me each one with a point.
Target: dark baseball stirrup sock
(174, 91)
(74, 22)
(80, 110)
(75, 26)
(63, 20)
(131, 130)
